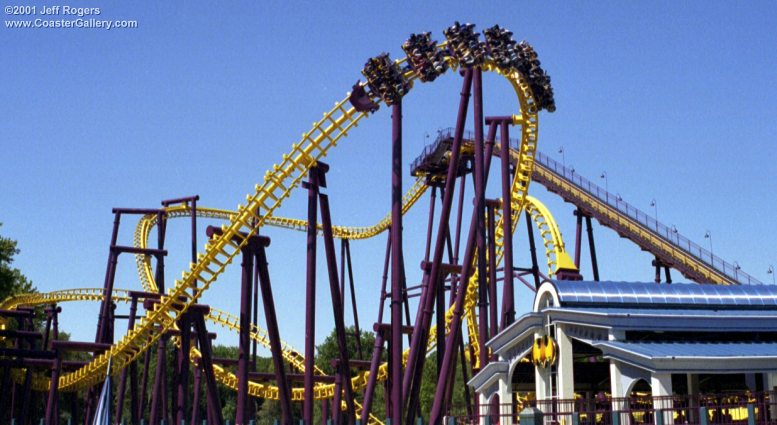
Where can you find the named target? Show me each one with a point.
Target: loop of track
(268, 196)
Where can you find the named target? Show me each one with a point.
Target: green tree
(429, 386)
(12, 281)
(328, 351)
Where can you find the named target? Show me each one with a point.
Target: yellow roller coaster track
(551, 236)
(277, 185)
(549, 232)
(634, 230)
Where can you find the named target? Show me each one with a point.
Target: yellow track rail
(555, 251)
(277, 185)
(147, 223)
(635, 231)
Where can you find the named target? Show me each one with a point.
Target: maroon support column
(337, 307)
(492, 313)
(420, 336)
(123, 378)
(310, 294)
(214, 404)
(369, 392)
(244, 343)
(52, 413)
(480, 223)
(508, 312)
(451, 343)
(578, 236)
(182, 370)
(592, 250)
(359, 352)
(396, 266)
(284, 391)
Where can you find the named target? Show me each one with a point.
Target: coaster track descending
(278, 184)
(671, 248)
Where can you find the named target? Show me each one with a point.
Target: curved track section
(277, 185)
(147, 223)
(555, 251)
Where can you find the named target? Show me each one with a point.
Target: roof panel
(705, 350)
(679, 294)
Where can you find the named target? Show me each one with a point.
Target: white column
(542, 382)
(693, 397)
(565, 375)
(484, 407)
(771, 386)
(661, 386)
(505, 400)
(617, 391)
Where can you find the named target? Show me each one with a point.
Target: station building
(624, 353)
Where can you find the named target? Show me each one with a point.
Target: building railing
(716, 409)
(651, 224)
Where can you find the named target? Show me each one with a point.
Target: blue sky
(674, 100)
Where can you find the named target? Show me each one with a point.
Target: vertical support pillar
(182, 370)
(310, 293)
(284, 391)
(492, 297)
(369, 392)
(27, 388)
(578, 236)
(416, 357)
(619, 405)
(454, 337)
(196, 397)
(592, 248)
(508, 302)
(214, 404)
(693, 397)
(144, 384)
(484, 408)
(6, 403)
(337, 307)
(110, 274)
(565, 372)
(354, 309)
(325, 416)
(535, 267)
(159, 397)
(396, 265)
(52, 413)
(123, 378)
(479, 212)
(771, 387)
(244, 337)
(337, 399)
(505, 398)
(661, 387)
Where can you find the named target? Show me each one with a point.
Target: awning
(694, 357)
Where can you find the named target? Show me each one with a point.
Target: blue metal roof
(672, 312)
(652, 295)
(706, 350)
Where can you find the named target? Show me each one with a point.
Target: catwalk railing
(756, 408)
(666, 233)
(649, 223)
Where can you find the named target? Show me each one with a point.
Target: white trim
(546, 287)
